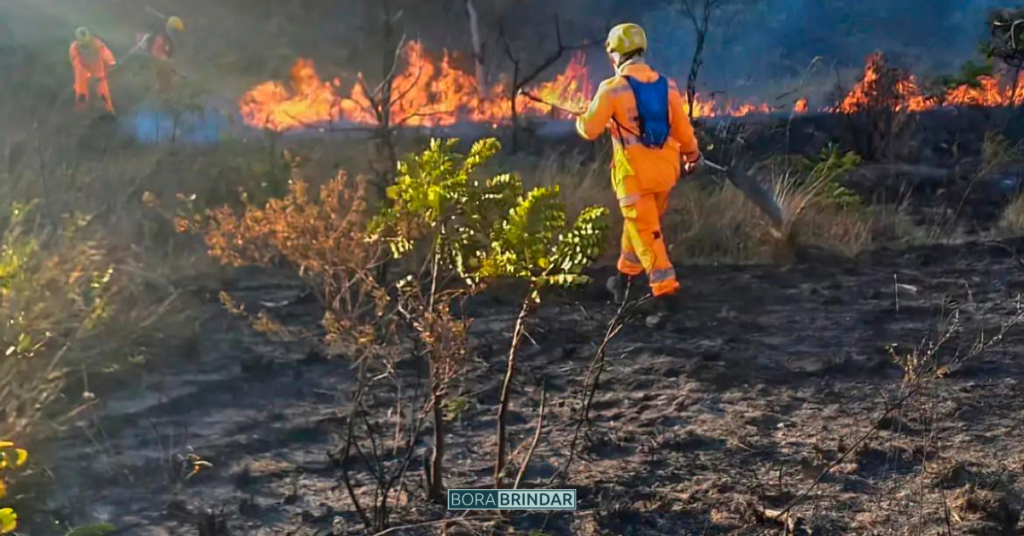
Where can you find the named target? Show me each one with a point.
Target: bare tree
(384, 464)
(699, 12)
(382, 98)
(522, 78)
(479, 60)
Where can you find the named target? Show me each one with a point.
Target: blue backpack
(652, 108)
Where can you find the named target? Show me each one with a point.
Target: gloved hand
(690, 165)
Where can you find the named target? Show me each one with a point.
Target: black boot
(662, 310)
(617, 286)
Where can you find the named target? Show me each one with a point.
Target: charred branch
(521, 78)
(699, 13)
(479, 59)
(1007, 37)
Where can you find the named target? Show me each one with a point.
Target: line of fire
(432, 92)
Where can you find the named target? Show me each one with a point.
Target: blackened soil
(765, 380)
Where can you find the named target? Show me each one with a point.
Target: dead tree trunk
(1015, 88)
(1006, 43)
(506, 389)
(437, 461)
(514, 106)
(381, 104)
(389, 58)
(701, 21)
(478, 47)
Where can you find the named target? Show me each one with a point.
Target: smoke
(756, 49)
(758, 46)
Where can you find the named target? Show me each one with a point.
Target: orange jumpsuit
(642, 177)
(162, 51)
(90, 61)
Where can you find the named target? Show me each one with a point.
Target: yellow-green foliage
(486, 229)
(56, 290)
(12, 458)
(822, 174)
(434, 197)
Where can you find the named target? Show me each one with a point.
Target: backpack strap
(620, 126)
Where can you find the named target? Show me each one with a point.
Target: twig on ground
(536, 438)
(506, 388)
(590, 382)
(349, 441)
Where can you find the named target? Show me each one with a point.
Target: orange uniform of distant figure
(642, 176)
(161, 50)
(90, 60)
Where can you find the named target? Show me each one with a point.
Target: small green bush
(487, 229)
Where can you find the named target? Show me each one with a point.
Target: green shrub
(486, 229)
(476, 231)
(58, 293)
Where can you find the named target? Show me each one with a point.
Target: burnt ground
(766, 376)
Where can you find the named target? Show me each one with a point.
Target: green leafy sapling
(473, 231)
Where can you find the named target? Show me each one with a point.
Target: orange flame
(571, 89)
(871, 91)
(274, 106)
(426, 93)
(747, 109)
(429, 93)
(987, 91)
(702, 107)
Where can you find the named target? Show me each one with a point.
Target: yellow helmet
(175, 23)
(626, 38)
(83, 35)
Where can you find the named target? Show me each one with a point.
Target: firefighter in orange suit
(161, 44)
(653, 142)
(91, 58)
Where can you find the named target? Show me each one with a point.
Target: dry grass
(72, 306)
(88, 291)
(848, 232)
(583, 183)
(814, 217)
(1012, 221)
(708, 222)
(716, 223)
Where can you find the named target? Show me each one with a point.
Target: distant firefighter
(91, 59)
(161, 45)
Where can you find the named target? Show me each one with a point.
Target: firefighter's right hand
(690, 166)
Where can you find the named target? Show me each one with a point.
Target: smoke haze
(765, 45)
